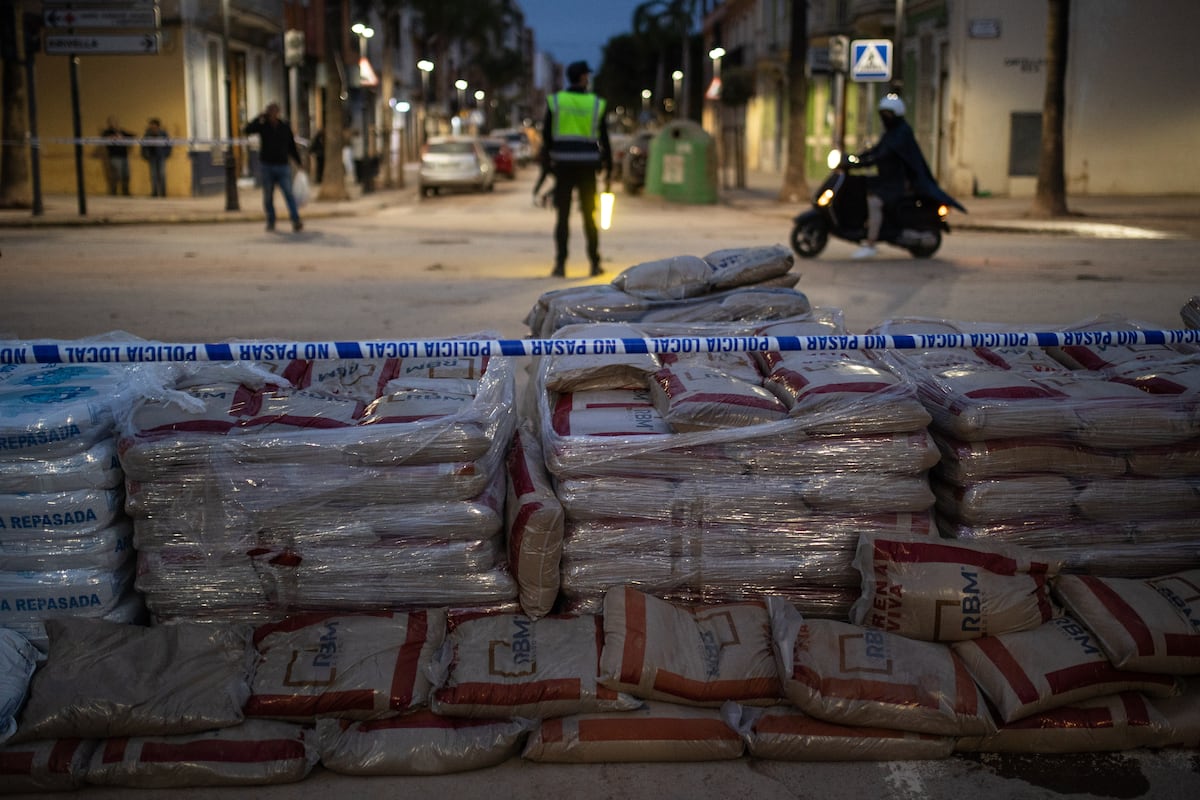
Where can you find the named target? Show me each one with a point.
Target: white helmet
(893, 103)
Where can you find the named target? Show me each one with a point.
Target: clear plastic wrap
(107, 548)
(71, 512)
(96, 467)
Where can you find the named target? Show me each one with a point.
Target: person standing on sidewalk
(277, 149)
(156, 157)
(118, 156)
(576, 147)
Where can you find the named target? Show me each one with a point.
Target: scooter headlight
(834, 159)
(826, 198)
(943, 211)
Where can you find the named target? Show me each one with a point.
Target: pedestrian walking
(575, 148)
(277, 149)
(155, 150)
(118, 156)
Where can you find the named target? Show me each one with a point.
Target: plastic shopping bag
(301, 188)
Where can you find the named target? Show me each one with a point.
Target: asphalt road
(458, 264)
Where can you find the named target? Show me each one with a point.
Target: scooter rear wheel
(809, 237)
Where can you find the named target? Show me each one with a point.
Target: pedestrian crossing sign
(871, 59)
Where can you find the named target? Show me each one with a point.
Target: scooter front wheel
(810, 235)
(927, 250)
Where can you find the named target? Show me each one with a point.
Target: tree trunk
(387, 82)
(1050, 199)
(795, 182)
(333, 183)
(15, 188)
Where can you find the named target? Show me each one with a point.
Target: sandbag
(783, 733)
(1053, 665)
(698, 399)
(849, 675)
(945, 591)
(696, 655)
(171, 679)
(1114, 722)
(354, 666)
(655, 732)
(1150, 625)
(534, 518)
(254, 753)
(419, 743)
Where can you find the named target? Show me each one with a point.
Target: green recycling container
(682, 166)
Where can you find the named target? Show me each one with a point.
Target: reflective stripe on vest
(576, 126)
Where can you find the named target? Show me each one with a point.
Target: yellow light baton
(607, 201)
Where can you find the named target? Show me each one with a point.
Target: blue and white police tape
(138, 352)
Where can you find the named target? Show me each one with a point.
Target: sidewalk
(1155, 216)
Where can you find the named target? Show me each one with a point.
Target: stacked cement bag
(65, 542)
(718, 476)
(323, 484)
(1089, 452)
(732, 285)
(1191, 312)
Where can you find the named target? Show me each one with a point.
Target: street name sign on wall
(135, 17)
(871, 59)
(116, 44)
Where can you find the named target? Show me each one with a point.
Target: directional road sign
(116, 44)
(143, 17)
(871, 59)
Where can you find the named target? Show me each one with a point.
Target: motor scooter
(916, 223)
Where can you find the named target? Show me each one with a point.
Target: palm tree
(795, 182)
(1050, 198)
(659, 22)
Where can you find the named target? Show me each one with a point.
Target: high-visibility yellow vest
(575, 130)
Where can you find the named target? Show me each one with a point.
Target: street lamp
(677, 81)
(426, 67)
(715, 93)
(646, 94)
(364, 32)
(716, 54)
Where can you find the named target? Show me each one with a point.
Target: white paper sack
(1056, 664)
(698, 399)
(945, 591)
(575, 372)
(534, 520)
(348, 666)
(105, 549)
(1145, 625)
(77, 511)
(1103, 724)
(508, 665)
(94, 468)
(53, 593)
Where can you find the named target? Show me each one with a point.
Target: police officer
(576, 147)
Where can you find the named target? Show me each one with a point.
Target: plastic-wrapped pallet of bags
(1053, 665)
(1150, 625)
(656, 731)
(419, 743)
(361, 666)
(1191, 312)
(784, 733)
(849, 675)
(253, 753)
(535, 525)
(510, 665)
(171, 679)
(940, 590)
(697, 655)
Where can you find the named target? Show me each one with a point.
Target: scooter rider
(900, 165)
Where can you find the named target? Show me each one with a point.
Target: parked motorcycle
(915, 224)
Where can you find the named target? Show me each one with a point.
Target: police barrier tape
(135, 352)
(153, 141)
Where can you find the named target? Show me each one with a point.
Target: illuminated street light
(425, 66)
(716, 54)
(646, 95)
(364, 32)
(677, 80)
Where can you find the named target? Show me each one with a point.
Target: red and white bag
(535, 525)
(783, 733)
(1150, 625)
(696, 655)
(941, 590)
(1054, 665)
(354, 666)
(698, 399)
(46, 765)
(1113, 722)
(654, 732)
(510, 665)
(857, 676)
(255, 753)
(420, 743)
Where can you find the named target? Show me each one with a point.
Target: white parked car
(455, 162)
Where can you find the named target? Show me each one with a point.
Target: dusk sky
(572, 31)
